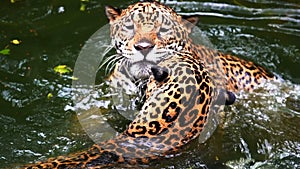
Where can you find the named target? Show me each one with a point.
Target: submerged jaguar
(185, 84)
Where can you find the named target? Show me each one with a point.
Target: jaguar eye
(163, 30)
(129, 27)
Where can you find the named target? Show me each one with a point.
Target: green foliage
(5, 51)
(62, 69)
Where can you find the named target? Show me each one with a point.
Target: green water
(261, 130)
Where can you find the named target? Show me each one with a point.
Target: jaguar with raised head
(146, 32)
(183, 82)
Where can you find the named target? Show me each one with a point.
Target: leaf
(5, 51)
(82, 7)
(16, 42)
(49, 95)
(62, 69)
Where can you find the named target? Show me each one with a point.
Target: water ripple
(281, 16)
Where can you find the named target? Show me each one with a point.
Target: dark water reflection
(261, 130)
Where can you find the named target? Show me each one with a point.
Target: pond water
(260, 130)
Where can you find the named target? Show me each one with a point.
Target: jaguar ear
(190, 21)
(112, 13)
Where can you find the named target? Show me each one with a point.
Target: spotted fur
(179, 101)
(185, 86)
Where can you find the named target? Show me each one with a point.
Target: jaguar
(146, 32)
(186, 84)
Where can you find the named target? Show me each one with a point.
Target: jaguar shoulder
(179, 101)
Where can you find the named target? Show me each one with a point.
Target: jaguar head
(146, 33)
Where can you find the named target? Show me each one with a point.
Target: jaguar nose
(144, 47)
